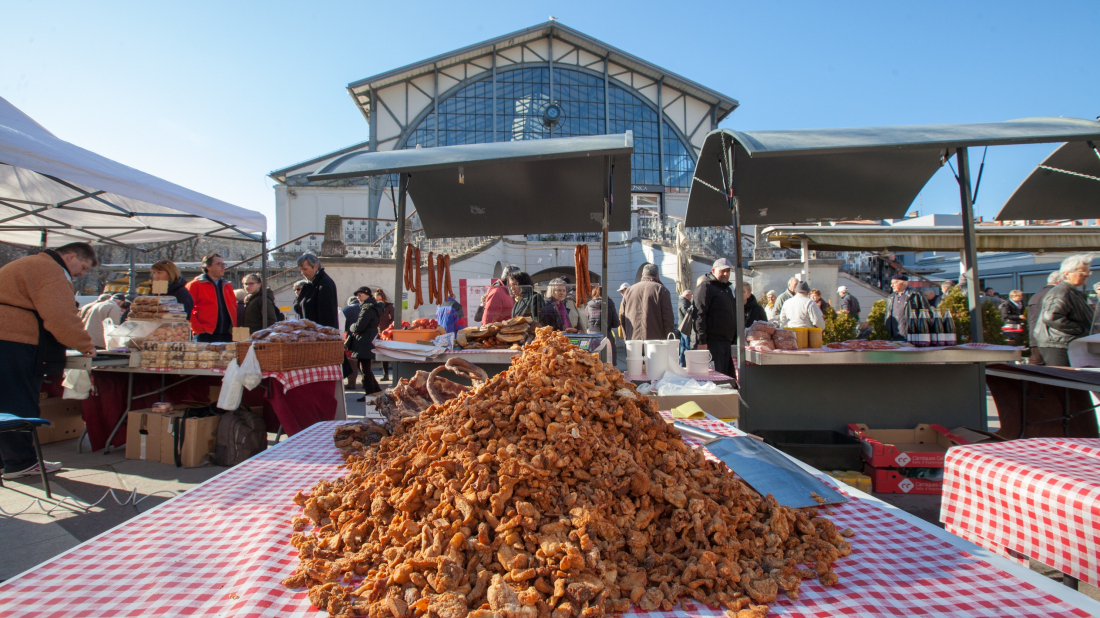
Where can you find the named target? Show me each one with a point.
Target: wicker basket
(287, 356)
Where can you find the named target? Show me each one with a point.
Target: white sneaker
(51, 466)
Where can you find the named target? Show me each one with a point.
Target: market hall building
(544, 82)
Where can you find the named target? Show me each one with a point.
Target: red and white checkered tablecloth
(289, 379)
(222, 548)
(301, 377)
(1036, 498)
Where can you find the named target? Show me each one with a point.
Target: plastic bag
(77, 383)
(250, 374)
(232, 389)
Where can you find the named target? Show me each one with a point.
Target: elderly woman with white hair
(1066, 314)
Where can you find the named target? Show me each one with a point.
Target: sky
(215, 95)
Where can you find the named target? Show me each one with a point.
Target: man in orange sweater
(38, 311)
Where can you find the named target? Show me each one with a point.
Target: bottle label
(950, 339)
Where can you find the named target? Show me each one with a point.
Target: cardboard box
(143, 435)
(922, 447)
(200, 435)
(724, 406)
(66, 416)
(887, 481)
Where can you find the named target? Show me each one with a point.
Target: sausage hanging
(580, 267)
(439, 277)
(433, 295)
(409, 285)
(447, 280)
(419, 285)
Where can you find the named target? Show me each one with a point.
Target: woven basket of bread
(293, 355)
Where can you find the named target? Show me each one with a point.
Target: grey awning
(855, 173)
(1065, 186)
(547, 186)
(941, 238)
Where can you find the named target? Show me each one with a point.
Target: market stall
(235, 543)
(53, 192)
(565, 185)
(1026, 499)
(786, 177)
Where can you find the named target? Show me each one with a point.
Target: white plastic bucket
(634, 367)
(656, 359)
(635, 349)
(698, 361)
(673, 351)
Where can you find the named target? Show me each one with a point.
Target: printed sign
(903, 459)
(905, 485)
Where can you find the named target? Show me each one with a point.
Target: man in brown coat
(38, 311)
(646, 312)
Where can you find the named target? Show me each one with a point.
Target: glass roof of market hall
(499, 90)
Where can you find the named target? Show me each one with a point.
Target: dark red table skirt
(294, 410)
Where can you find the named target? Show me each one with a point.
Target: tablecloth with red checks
(300, 377)
(222, 548)
(289, 379)
(1036, 498)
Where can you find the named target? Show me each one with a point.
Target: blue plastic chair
(11, 422)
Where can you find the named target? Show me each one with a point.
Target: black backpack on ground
(241, 434)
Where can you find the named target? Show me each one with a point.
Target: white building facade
(505, 89)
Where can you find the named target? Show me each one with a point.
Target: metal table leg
(130, 402)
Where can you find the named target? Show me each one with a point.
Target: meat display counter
(881, 388)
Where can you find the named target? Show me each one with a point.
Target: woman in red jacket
(497, 303)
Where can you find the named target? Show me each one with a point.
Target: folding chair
(11, 422)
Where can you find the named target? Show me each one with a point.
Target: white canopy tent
(53, 192)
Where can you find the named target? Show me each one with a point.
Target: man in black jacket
(1066, 314)
(318, 298)
(715, 316)
(1034, 308)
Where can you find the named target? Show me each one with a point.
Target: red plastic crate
(887, 481)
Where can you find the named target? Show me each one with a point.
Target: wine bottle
(924, 325)
(937, 329)
(948, 329)
(911, 334)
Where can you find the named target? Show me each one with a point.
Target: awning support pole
(133, 275)
(806, 260)
(399, 250)
(726, 162)
(263, 277)
(970, 244)
(970, 264)
(609, 193)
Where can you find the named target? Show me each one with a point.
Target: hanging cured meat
(416, 280)
(433, 290)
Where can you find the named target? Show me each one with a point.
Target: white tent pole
(133, 274)
(263, 277)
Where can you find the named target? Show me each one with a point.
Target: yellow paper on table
(689, 410)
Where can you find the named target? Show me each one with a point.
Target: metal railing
(708, 242)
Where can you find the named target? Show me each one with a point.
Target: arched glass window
(466, 117)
